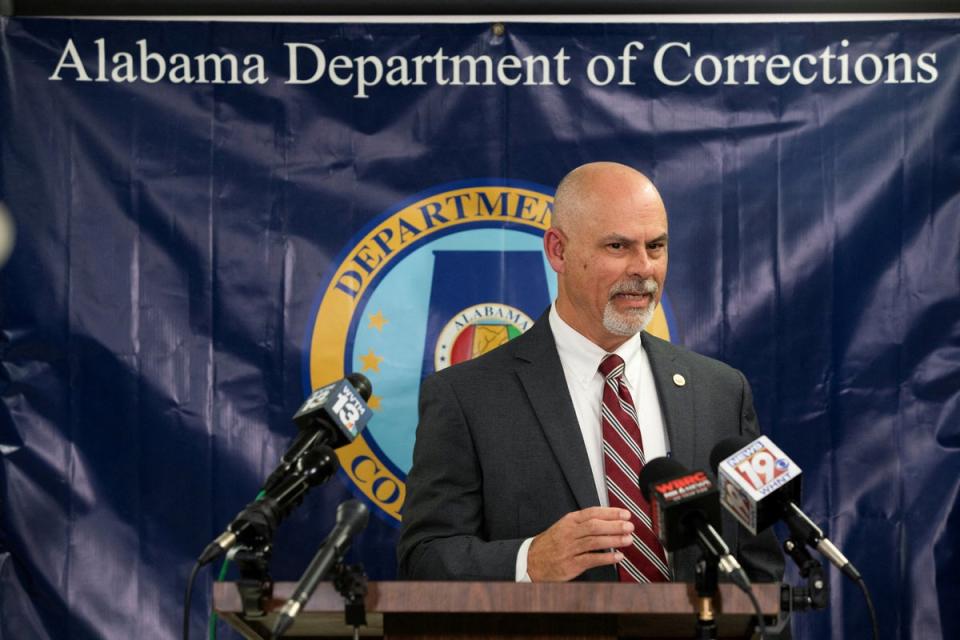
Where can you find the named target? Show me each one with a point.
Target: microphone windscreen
(352, 517)
(361, 383)
(353, 513)
(726, 448)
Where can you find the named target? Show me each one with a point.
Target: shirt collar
(583, 357)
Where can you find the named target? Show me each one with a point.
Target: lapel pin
(679, 380)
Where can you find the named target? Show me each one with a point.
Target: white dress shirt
(580, 359)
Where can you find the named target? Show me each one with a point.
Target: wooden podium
(487, 610)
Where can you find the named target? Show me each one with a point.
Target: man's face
(614, 260)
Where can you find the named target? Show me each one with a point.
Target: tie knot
(612, 366)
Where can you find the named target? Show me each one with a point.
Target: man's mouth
(634, 294)
(634, 299)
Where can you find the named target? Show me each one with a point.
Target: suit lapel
(541, 375)
(676, 401)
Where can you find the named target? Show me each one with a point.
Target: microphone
(333, 415)
(255, 524)
(352, 517)
(686, 511)
(760, 485)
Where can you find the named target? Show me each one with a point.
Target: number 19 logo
(762, 468)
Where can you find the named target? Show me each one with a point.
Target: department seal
(444, 277)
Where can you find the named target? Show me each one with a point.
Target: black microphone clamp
(816, 593)
(713, 546)
(803, 528)
(254, 526)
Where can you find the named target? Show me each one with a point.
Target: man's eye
(615, 245)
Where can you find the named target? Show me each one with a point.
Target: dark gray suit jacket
(499, 457)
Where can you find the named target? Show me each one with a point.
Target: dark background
(171, 239)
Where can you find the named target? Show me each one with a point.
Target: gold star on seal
(371, 362)
(377, 321)
(374, 403)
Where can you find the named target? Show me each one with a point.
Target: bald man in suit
(508, 477)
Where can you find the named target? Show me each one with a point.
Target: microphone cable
(212, 626)
(187, 598)
(756, 607)
(873, 614)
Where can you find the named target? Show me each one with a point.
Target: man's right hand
(579, 541)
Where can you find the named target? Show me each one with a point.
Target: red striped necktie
(644, 560)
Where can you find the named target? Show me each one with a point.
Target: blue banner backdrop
(213, 218)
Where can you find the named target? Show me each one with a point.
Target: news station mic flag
(198, 249)
(756, 480)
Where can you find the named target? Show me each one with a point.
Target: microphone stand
(816, 595)
(350, 582)
(706, 585)
(255, 584)
(259, 520)
(252, 557)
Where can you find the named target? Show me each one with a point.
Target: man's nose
(640, 264)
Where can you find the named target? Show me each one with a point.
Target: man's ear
(554, 246)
